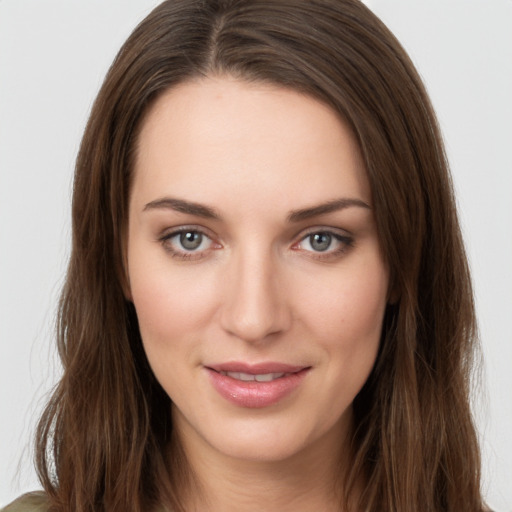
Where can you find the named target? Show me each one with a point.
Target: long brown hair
(102, 439)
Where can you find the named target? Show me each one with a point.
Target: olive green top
(37, 502)
(31, 502)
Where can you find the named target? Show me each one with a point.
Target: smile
(256, 386)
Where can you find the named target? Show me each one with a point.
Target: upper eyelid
(343, 238)
(322, 229)
(170, 231)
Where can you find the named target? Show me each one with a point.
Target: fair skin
(233, 268)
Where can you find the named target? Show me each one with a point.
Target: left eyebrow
(324, 208)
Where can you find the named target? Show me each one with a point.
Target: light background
(53, 56)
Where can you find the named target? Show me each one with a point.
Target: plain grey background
(53, 56)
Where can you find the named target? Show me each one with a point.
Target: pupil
(191, 240)
(320, 241)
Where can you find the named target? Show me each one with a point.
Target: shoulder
(31, 502)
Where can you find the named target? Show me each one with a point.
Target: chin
(264, 439)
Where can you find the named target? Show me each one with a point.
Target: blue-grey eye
(191, 240)
(188, 244)
(320, 241)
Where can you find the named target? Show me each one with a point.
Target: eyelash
(184, 254)
(345, 242)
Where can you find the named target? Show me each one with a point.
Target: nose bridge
(255, 305)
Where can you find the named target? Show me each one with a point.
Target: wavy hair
(102, 440)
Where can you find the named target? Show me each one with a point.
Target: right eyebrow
(181, 206)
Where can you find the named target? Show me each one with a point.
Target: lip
(254, 369)
(254, 394)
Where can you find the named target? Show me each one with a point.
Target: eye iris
(320, 241)
(191, 240)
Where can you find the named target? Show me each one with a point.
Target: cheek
(171, 303)
(345, 315)
(172, 306)
(349, 309)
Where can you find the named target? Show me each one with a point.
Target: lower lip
(253, 394)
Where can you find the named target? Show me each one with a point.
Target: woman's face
(254, 267)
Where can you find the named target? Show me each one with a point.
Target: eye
(190, 240)
(320, 241)
(324, 243)
(187, 243)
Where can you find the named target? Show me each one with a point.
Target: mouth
(249, 377)
(256, 386)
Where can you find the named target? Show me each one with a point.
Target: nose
(255, 304)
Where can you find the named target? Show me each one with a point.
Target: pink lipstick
(255, 386)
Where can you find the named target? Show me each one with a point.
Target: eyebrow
(179, 205)
(325, 208)
(207, 212)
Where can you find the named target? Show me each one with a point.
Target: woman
(268, 306)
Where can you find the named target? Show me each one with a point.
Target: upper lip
(256, 369)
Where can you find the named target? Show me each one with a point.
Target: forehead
(205, 135)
